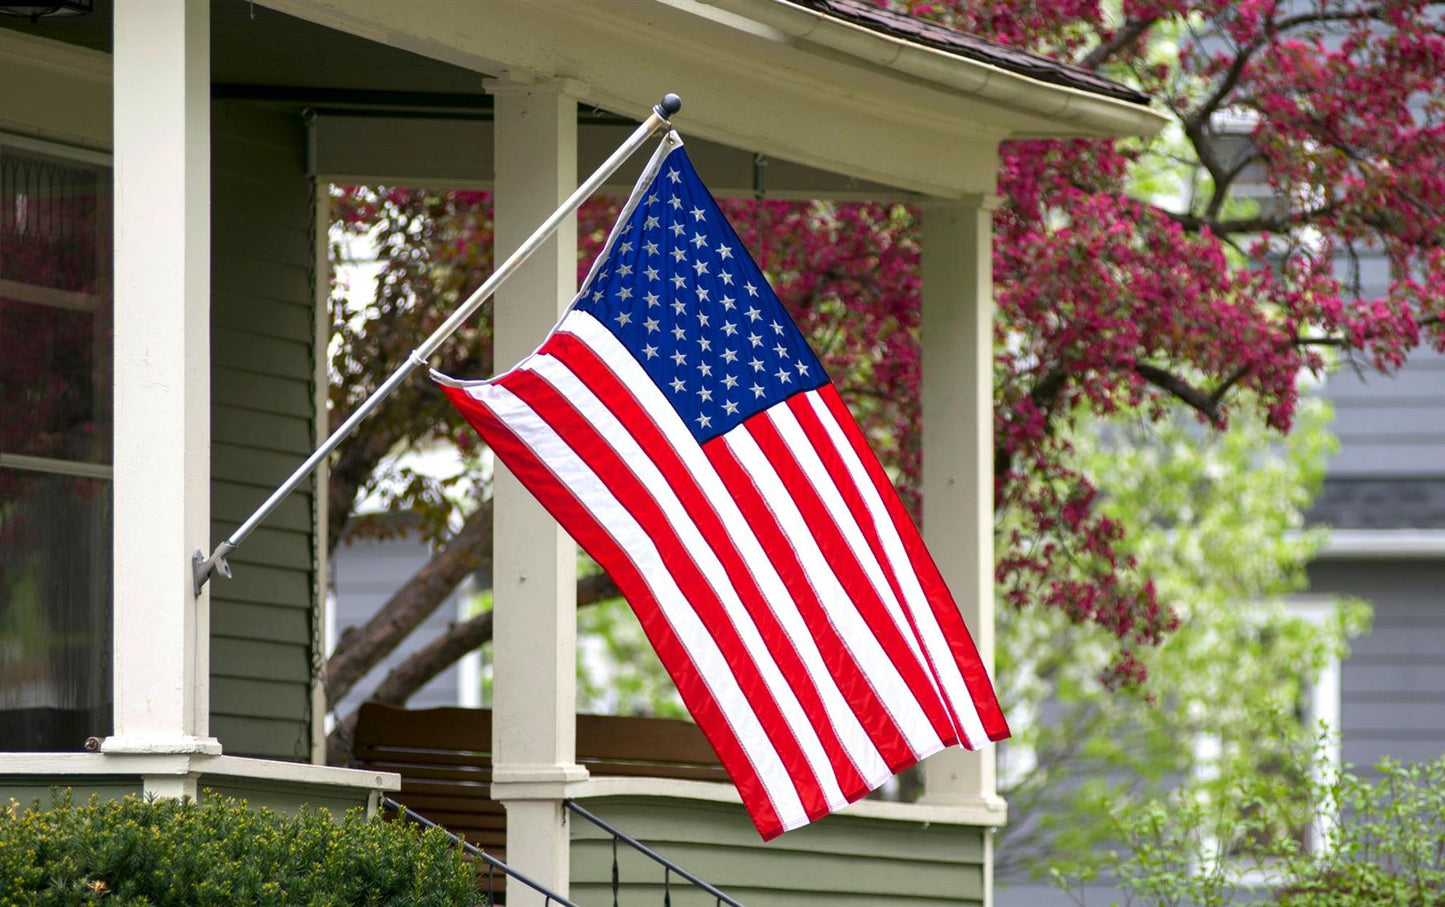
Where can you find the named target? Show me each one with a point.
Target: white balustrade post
(162, 96)
(958, 452)
(534, 646)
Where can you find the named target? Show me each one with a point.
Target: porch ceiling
(253, 45)
(390, 115)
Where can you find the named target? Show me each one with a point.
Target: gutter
(1089, 113)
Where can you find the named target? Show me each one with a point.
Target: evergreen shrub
(220, 851)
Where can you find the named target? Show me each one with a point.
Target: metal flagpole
(202, 567)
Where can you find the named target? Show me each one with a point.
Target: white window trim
(469, 666)
(56, 467)
(1324, 714)
(1384, 544)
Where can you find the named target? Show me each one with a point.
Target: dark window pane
(55, 426)
(54, 222)
(55, 622)
(55, 380)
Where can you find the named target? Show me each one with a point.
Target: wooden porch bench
(444, 757)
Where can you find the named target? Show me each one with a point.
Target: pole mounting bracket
(203, 567)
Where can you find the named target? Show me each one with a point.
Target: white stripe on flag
(593, 494)
(868, 651)
(850, 731)
(938, 650)
(556, 373)
(807, 459)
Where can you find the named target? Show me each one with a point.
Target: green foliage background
(1380, 840)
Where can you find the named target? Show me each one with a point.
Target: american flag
(677, 424)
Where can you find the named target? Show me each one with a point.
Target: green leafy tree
(1218, 521)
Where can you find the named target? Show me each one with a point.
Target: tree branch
(401, 417)
(1246, 225)
(1217, 396)
(1044, 395)
(1221, 188)
(1195, 398)
(1230, 80)
(873, 392)
(1122, 39)
(351, 466)
(1196, 122)
(1336, 341)
(424, 665)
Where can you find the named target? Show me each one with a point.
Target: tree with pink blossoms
(1132, 280)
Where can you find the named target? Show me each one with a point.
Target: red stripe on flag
(944, 607)
(846, 566)
(802, 410)
(874, 715)
(585, 363)
(823, 446)
(573, 427)
(597, 542)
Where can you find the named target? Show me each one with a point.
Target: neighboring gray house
(1384, 497)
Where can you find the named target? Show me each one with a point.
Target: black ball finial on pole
(669, 106)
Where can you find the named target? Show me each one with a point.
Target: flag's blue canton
(685, 298)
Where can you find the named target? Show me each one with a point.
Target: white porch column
(162, 374)
(534, 645)
(958, 451)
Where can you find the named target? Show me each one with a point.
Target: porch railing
(493, 864)
(669, 868)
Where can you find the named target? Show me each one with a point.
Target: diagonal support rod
(203, 567)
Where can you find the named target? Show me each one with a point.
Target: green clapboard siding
(262, 426)
(840, 860)
(27, 790)
(283, 797)
(286, 798)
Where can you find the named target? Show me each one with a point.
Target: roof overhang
(759, 75)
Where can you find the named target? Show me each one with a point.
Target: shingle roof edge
(969, 46)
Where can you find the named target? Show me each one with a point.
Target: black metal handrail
(492, 862)
(669, 867)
